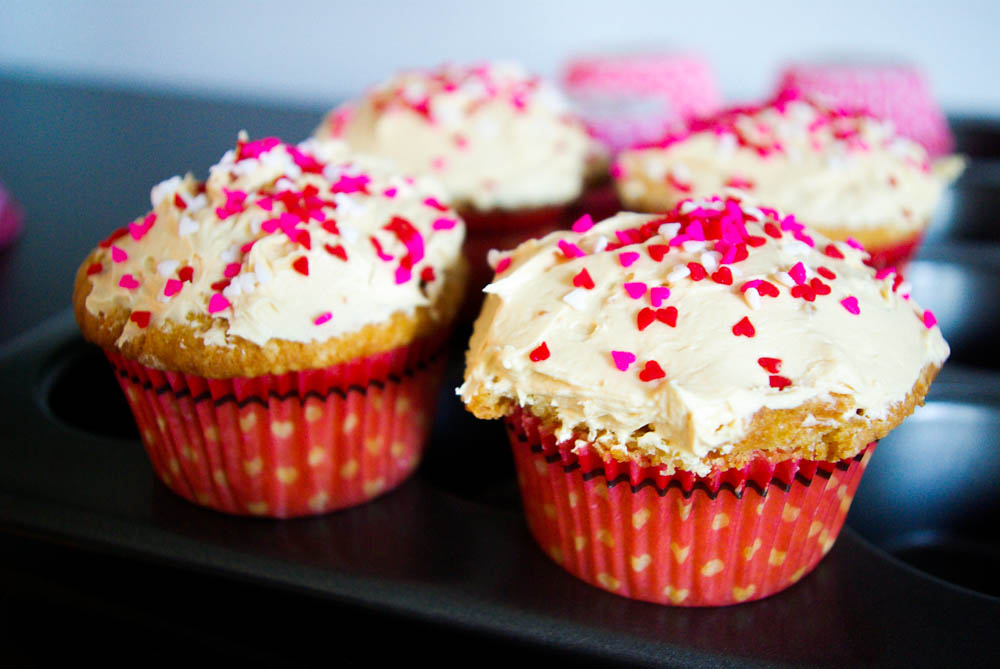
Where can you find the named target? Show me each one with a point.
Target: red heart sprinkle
(657, 251)
(94, 268)
(185, 273)
(540, 353)
(301, 265)
(668, 316)
(336, 251)
(772, 365)
(819, 287)
(427, 274)
(833, 252)
(331, 227)
(779, 382)
(767, 288)
(697, 271)
(583, 280)
(755, 241)
(140, 318)
(723, 275)
(826, 273)
(646, 316)
(651, 371)
(744, 328)
(772, 230)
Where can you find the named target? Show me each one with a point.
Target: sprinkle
(785, 278)
(772, 365)
(186, 273)
(766, 288)
(301, 265)
(804, 291)
(402, 274)
(710, 260)
(187, 226)
(752, 298)
(798, 273)
(657, 294)
(723, 276)
(755, 241)
(172, 287)
(444, 223)
(167, 268)
(627, 258)
(601, 244)
(694, 246)
(570, 250)
(427, 274)
(667, 316)
(826, 273)
(322, 318)
(904, 289)
(583, 280)
(623, 359)
(678, 273)
(336, 251)
(854, 244)
(669, 230)
(771, 230)
(217, 303)
(819, 287)
(231, 270)
(390, 192)
(128, 282)
(139, 230)
(583, 224)
(651, 371)
(503, 265)
(576, 298)
(221, 285)
(113, 237)
(657, 251)
(779, 382)
(434, 204)
(744, 328)
(645, 317)
(118, 255)
(540, 353)
(140, 318)
(635, 289)
(851, 304)
(697, 271)
(94, 268)
(929, 319)
(884, 272)
(832, 251)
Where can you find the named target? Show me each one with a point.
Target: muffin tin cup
(685, 540)
(287, 445)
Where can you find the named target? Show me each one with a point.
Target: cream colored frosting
(495, 137)
(840, 173)
(316, 215)
(714, 382)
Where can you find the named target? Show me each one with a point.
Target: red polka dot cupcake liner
(287, 445)
(895, 255)
(728, 537)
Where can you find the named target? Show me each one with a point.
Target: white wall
(312, 51)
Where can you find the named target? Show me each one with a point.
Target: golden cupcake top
(844, 173)
(494, 136)
(292, 243)
(695, 338)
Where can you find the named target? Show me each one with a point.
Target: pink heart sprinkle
(231, 270)
(217, 303)
(884, 272)
(657, 294)
(128, 282)
(798, 273)
(323, 318)
(403, 274)
(929, 319)
(635, 289)
(851, 304)
(118, 255)
(854, 244)
(389, 192)
(622, 359)
(627, 258)
(502, 265)
(583, 224)
(444, 224)
(172, 287)
(570, 250)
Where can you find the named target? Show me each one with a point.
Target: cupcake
(897, 93)
(692, 397)
(278, 329)
(845, 174)
(503, 144)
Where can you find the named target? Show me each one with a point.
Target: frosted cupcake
(692, 397)
(845, 174)
(503, 144)
(278, 329)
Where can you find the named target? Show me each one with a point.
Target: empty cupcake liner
(293, 444)
(681, 539)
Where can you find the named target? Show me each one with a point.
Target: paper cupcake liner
(286, 445)
(895, 255)
(681, 539)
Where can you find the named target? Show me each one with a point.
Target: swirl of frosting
(700, 337)
(844, 173)
(495, 137)
(282, 243)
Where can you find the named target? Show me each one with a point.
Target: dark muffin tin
(911, 580)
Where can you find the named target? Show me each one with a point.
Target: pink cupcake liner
(684, 540)
(894, 92)
(286, 445)
(635, 98)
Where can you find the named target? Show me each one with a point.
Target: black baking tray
(447, 553)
